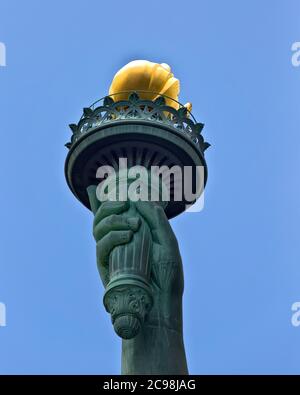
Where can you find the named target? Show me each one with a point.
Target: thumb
(157, 220)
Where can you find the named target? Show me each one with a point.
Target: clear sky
(241, 254)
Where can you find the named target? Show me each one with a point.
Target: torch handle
(133, 258)
(128, 296)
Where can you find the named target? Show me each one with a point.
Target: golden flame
(153, 79)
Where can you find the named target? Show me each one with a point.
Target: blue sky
(241, 254)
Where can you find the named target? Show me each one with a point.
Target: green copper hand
(158, 348)
(111, 230)
(166, 268)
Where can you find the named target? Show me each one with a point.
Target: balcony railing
(106, 110)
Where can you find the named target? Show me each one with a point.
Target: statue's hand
(111, 229)
(161, 333)
(166, 268)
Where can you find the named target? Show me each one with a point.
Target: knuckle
(99, 253)
(95, 233)
(125, 236)
(159, 209)
(110, 237)
(112, 219)
(98, 247)
(105, 205)
(114, 205)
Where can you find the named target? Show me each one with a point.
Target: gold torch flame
(149, 79)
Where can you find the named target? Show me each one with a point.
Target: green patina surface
(137, 252)
(155, 344)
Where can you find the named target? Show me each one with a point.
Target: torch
(142, 121)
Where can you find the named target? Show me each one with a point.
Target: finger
(108, 208)
(109, 241)
(104, 274)
(115, 222)
(94, 202)
(146, 209)
(158, 222)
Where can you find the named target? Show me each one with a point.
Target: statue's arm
(159, 347)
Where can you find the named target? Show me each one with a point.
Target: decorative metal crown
(138, 109)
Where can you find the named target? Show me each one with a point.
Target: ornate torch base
(127, 300)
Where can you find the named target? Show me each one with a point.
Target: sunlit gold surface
(142, 75)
